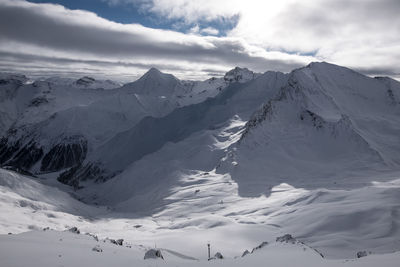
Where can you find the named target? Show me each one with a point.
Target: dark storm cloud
(54, 28)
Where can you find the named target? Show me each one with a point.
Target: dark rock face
(65, 154)
(286, 239)
(38, 101)
(7, 149)
(90, 171)
(26, 157)
(70, 152)
(361, 254)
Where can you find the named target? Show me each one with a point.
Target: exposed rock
(27, 156)
(263, 244)
(361, 254)
(38, 101)
(218, 255)
(286, 239)
(118, 242)
(7, 149)
(239, 74)
(245, 253)
(69, 152)
(153, 254)
(316, 120)
(67, 177)
(85, 81)
(74, 230)
(97, 248)
(90, 171)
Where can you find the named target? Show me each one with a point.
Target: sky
(121, 39)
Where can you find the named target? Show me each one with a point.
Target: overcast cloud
(270, 35)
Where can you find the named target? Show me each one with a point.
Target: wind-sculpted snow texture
(236, 161)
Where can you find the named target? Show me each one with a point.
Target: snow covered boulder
(97, 248)
(74, 230)
(118, 242)
(153, 254)
(361, 254)
(217, 256)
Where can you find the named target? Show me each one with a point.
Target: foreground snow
(52, 248)
(339, 223)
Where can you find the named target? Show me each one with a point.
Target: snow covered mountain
(314, 152)
(322, 114)
(327, 121)
(55, 124)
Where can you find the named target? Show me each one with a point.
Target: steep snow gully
(234, 161)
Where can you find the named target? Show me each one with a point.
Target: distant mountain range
(320, 120)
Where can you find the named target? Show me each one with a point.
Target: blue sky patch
(127, 13)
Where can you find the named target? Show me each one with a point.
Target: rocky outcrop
(85, 81)
(239, 75)
(38, 101)
(68, 153)
(25, 157)
(153, 254)
(24, 152)
(7, 149)
(79, 173)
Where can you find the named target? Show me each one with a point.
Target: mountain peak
(154, 82)
(153, 72)
(239, 75)
(156, 75)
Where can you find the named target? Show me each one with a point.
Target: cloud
(267, 35)
(57, 33)
(210, 31)
(357, 33)
(204, 31)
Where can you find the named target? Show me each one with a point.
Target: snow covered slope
(234, 161)
(326, 125)
(54, 124)
(69, 249)
(151, 133)
(338, 223)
